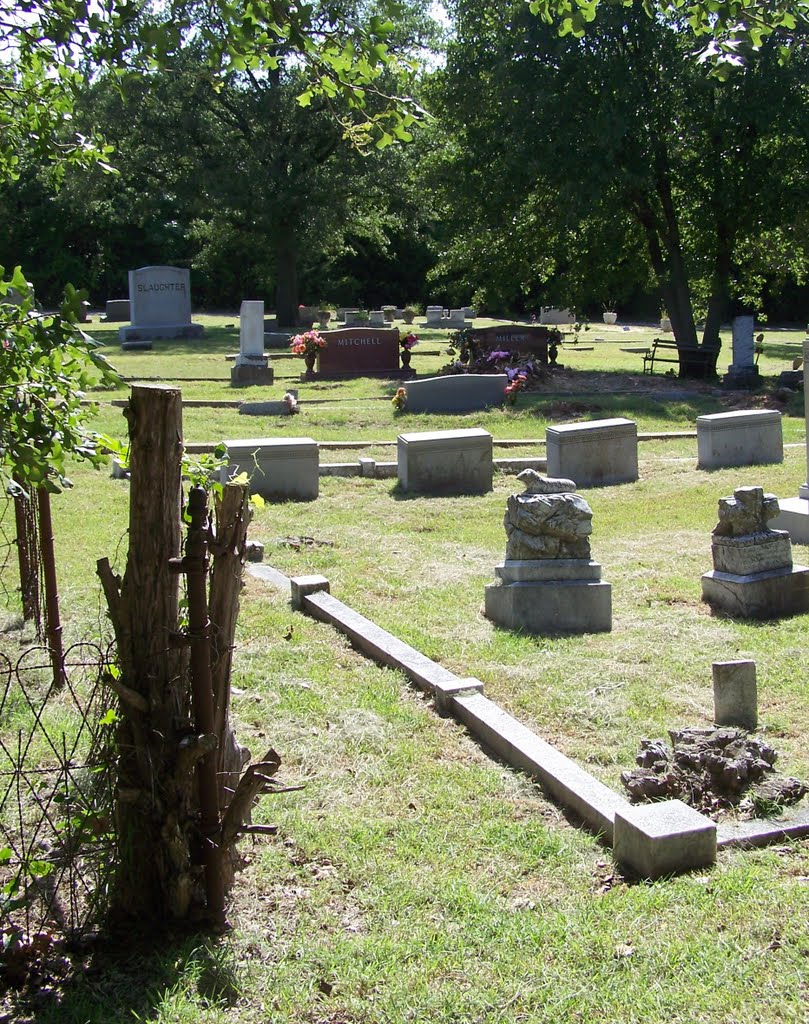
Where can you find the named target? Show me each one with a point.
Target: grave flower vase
(404, 357)
(309, 359)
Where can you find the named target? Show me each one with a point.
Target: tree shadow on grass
(128, 977)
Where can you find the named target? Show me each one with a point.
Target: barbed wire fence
(57, 778)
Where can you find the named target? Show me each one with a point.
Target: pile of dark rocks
(712, 770)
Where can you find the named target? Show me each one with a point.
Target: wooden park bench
(661, 352)
(696, 358)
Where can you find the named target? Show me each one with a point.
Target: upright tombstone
(117, 311)
(446, 461)
(794, 512)
(159, 305)
(529, 339)
(753, 574)
(285, 468)
(456, 392)
(745, 437)
(594, 454)
(743, 372)
(360, 352)
(548, 582)
(551, 315)
(435, 316)
(251, 366)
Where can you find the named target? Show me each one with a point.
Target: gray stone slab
(278, 468)
(555, 606)
(267, 574)
(160, 332)
(276, 408)
(117, 311)
(277, 339)
(378, 643)
(518, 465)
(302, 586)
(794, 518)
(745, 437)
(754, 553)
(765, 595)
(735, 694)
(664, 838)
(763, 831)
(446, 461)
(594, 454)
(526, 570)
(340, 469)
(251, 372)
(595, 803)
(457, 392)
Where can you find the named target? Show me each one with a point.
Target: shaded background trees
(609, 169)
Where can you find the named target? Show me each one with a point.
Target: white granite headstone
(251, 329)
(742, 343)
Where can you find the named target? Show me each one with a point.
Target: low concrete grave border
(648, 844)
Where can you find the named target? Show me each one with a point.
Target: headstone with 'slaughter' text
(159, 305)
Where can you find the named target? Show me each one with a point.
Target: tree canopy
(723, 31)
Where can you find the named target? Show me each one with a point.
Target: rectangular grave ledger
(446, 461)
(356, 351)
(160, 305)
(594, 454)
(746, 437)
(278, 468)
(459, 392)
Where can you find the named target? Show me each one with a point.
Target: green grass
(414, 878)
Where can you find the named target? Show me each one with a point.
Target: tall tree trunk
(286, 298)
(155, 800)
(161, 833)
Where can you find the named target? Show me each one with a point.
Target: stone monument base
(564, 595)
(742, 377)
(158, 331)
(246, 372)
(794, 518)
(775, 594)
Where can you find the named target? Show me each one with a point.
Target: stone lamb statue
(548, 520)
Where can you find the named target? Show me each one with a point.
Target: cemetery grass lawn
(414, 878)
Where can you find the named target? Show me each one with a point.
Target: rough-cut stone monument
(251, 366)
(159, 305)
(753, 574)
(548, 583)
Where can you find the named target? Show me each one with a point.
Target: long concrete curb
(653, 839)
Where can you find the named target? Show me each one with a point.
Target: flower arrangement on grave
(307, 344)
(406, 343)
(515, 386)
(291, 402)
(399, 400)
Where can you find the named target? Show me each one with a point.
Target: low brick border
(650, 839)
